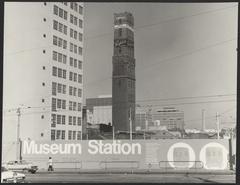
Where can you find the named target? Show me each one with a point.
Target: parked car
(8, 176)
(21, 166)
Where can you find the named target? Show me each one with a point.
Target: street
(128, 178)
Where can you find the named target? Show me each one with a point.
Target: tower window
(120, 32)
(44, 19)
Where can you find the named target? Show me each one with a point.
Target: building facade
(123, 82)
(99, 110)
(44, 70)
(169, 117)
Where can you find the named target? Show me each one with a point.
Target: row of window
(59, 57)
(74, 106)
(74, 20)
(58, 119)
(58, 88)
(57, 134)
(61, 73)
(76, 8)
(74, 34)
(75, 49)
(58, 104)
(73, 91)
(73, 135)
(57, 41)
(75, 77)
(75, 63)
(59, 27)
(73, 120)
(60, 12)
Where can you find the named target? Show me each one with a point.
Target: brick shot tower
(123, 76)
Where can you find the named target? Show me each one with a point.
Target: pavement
(129, 177)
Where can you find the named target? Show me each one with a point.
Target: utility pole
(203, 120)
(217, 122)
(130, 121)
(18, 134)
(113, 132)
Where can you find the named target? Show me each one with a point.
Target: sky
(181, 50)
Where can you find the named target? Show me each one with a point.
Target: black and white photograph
(119, 92)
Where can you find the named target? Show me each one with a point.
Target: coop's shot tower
(123, 76)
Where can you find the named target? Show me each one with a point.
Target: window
(60, 42)
(60, 27)
(78, 135)
(42, 117)
(71, 5)
(55, 40)
(75, 20)
(54, 88)
(65, 15)
(75, 34)
(63, 119)
(58, 119)
(75, 77)
(79, 50)
(71, 76)
(120, 32)
(54, 55)
(64, 44)
(60, 12)
(80, 36)
(80, 23)
(64, 73)
(63, 134)
(70, 105)
(59, 72)
(71, 61)
(64, 59)
(63, 104)
(79, 106)
(70, 90)
(55, 25)
(79, 92)
(75, 48)
(53, 104)
(71, 18)
(79, 64)
(74, 135)
(75, 62)
(79, 78)
(59, 57)
(71, 32)
(71, 47)
(80, 10)
(74, 120)
(65, 30)
(43, 67)
(53, 121)
(74, 91)
(59, 104)
(54, 71)
(52, 134)
(64, 89)
(69, 134)
(55, 10)
(74, 106)
(79, 121)
(59, 88)
(70, 120)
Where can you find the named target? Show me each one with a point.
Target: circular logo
(214, 156)
(181, 155)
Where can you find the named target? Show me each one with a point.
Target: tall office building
(123, 82)
(43, 59)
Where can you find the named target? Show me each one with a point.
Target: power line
(163, 22)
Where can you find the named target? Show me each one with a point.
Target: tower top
(124, 18)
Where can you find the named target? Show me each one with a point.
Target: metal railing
(67, 165)
(180, 164)
(116, 165)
